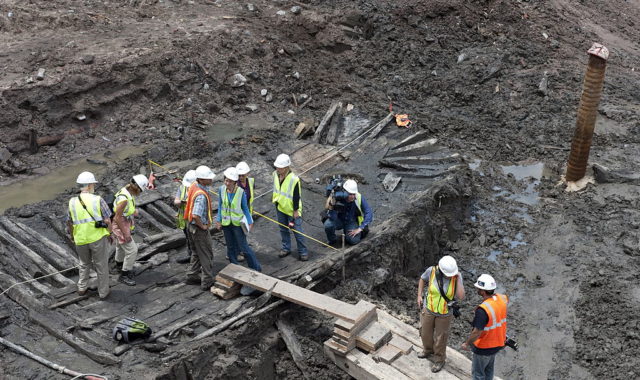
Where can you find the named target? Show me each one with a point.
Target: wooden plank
(387, 354)
(152, 221)
(293, 345)
(226, 282)
(402, 344)
(160, 215)
(373, 337)
(148, 197)
(362, 367)
(416, 368)
(336, 123)
(292, 293)
(456, 362)
(325, 120)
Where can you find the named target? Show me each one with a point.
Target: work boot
(126, 277)
(82, 292)
(304, 257)
(207, 285)
(192, 281)
(436, 367)
(240, 257)
(424, 355)
(183, 260)
(284, 253)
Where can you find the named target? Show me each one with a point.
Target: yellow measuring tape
(269, 219)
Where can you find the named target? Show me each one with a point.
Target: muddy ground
(497, 81)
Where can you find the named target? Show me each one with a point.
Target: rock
(482, 240)
(42, 170)
(462, 57)
(390, 182)
(238, 80)
(4, 155)
(159, 258)
(281, 13)
(253, 75)
(543, 86)
(88, 59)
(96, 162)
(291, 112)
(30, 80)
(40, 75)
(296, 9)
(296, 75)
(263, 92)
(268, 98)
(205, 86)
(251, 107)
(251, 7)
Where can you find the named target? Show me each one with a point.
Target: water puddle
(225, 130)
(521, 172)
(517, 241)
(493, 255)
(47, 186)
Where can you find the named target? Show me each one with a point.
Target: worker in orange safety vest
(489, 328)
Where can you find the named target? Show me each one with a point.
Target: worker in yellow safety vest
(247, 184)
(233, 212)
(180, 201)
(351, 214)
(287, 197)
(89, 224)
(124, 207)
(439, 286)
(489, 332)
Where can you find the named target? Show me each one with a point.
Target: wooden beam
(293, 345)
(334, 127)
(362, 367)
(160, 216)
(325, 120)
(292, 293)
(65, 258)
(152, 221)
(387, 354)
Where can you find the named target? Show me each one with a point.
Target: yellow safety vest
(283, 194)
(359, 205)
(253, 195)
(433, 299)
(231, 212)
(84, 229)
(180, 222)
(131, 204)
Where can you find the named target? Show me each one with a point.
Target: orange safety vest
(495, 332)
(193, 192)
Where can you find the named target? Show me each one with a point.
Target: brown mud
(496, 81)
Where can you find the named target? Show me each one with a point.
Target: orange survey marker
(402, 119)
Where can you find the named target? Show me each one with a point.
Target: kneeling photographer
(346, 210)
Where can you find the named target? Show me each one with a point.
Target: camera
(337, 192)
(511, 343)
(101, 224)
(455, 308)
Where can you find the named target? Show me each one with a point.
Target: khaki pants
(126, 253)
(202, 260)
(94, 254)
(434, 331)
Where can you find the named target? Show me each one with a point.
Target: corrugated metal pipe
(587, 111)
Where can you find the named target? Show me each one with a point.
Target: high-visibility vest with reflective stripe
(180, 222)
(495, 332)
(283, 194)
(130, 208)
(250, 201)
(433, 299)
(359, 205)
(231, 212)
(84, 230)
(193, 192)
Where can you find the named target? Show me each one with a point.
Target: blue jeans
(284, 233)
(236, 243)
(482, 366)
(330, 227)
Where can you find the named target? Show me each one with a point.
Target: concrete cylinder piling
(587, 111)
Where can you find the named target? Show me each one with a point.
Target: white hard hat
(231, 173)
(242, 168)
(189, 178)
(203, 172)
(448, 266)
(86, 178)
(350, 186)
(141, 181)
(282, 161)
(485, 282)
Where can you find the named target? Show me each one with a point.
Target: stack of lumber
(225, 289)
(346, 335)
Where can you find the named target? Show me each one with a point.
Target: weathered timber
(62, 258)
(160, 215)
(318, 135)
(60, 229)
(603, 174)
(402, 344)
(377, 129)
(293, 293)
(361, 366)
(20, 293)
(69, 301)
(293, 345)
(373, 337)
(169, 241)
(55, 327)
(148, 197)
(44, 266)
(152, 221)
(172, 213)
(417, 149)
(334, 127)
(22, 270)
(414, 138)
(387, 354)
